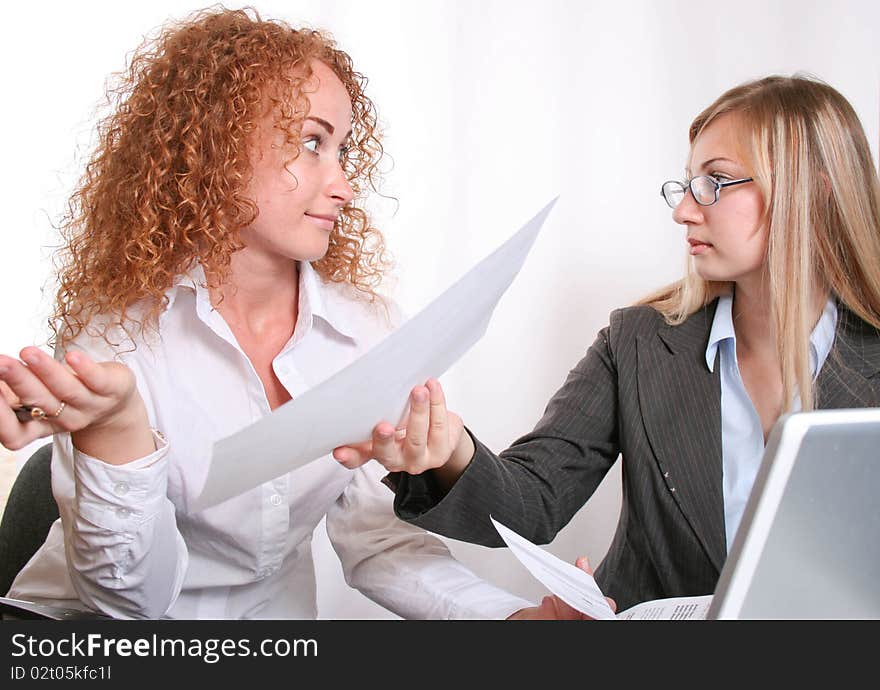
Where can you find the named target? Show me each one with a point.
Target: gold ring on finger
(27, 413)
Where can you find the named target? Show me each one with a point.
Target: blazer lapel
(680, 400)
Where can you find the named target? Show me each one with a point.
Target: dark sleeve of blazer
(536, 485)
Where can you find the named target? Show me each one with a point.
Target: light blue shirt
(742, 437)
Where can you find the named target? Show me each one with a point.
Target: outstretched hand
(41, 396)
(427, 439)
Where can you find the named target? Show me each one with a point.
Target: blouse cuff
(120, 497)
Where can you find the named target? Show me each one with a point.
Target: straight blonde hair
(810, 158)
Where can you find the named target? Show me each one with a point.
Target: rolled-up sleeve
(125, 555)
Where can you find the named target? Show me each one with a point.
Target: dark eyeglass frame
(685, 186)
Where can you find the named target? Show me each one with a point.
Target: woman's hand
(97, 402)
(432, 438)
(552, 608)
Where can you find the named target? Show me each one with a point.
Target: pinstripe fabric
(643, 391)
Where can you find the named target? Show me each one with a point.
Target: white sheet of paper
(580, 590)
(672, 609)
(345, 408)
(575, 587)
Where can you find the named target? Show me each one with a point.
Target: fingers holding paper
(584, 565)
(554, 608)
(430, 436)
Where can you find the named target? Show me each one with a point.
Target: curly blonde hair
(165, 186)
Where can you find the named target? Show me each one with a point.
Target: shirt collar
(821, 339)
(722, 328)
(193, 279)
(314, 297)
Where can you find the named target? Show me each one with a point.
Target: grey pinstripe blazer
(643, 391)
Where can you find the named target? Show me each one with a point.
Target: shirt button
(123, 512)
(275, 500)
(120, 488)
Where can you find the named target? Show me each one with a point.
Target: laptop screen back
(809, 542)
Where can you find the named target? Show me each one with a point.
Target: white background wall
(490, 108)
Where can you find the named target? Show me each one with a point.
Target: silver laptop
(809, 542)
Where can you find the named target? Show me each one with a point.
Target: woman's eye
(311, 144)
(343, 153)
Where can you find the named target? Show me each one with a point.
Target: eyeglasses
(705, 189)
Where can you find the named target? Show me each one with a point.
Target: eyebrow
(709, 162)
(326, 125)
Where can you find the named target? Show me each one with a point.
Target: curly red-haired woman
(217, 262)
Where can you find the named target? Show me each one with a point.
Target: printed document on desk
(345, 408)
(579, 589)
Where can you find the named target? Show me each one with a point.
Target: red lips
(694, 242)
(331, 218)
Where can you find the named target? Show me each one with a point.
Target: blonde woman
(779, 312)
(218, 262)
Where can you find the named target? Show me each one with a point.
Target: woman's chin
(314, 250)
(707, 271)
(316, 255)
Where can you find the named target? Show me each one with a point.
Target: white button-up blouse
(128, 543)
